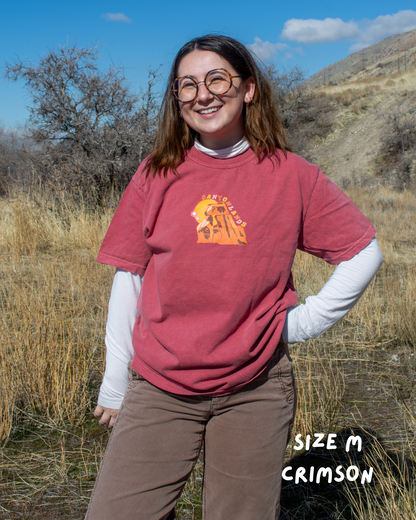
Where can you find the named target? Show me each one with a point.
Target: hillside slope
(394, 54)
(351, 151)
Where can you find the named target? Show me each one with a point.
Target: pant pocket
(286, 379)
(282, 371)
(287, 383)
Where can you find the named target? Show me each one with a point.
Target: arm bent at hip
(338, 296)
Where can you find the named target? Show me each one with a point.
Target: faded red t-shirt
(216, 243)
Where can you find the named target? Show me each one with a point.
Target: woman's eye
(187, 84)
(216, 79)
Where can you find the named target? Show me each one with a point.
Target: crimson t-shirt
(216, 243)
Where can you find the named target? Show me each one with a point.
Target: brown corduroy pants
(158, 436)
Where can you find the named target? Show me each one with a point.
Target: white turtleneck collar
(225, 153)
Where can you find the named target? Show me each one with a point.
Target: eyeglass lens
(217, 82)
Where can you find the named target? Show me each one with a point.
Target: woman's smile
(209, 111)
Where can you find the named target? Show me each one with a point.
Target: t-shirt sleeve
(124, 244)
(333, 228)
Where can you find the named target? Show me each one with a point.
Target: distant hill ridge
(386, 57)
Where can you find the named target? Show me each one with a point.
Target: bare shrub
(92, 131)
(15, 145)
(288, 90)
(344, 98)
(401, 132)
(386, 203)
(305, 113)
(390, 83)
(398, 160)
(369, 89)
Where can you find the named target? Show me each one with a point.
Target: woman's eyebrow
(192, 76)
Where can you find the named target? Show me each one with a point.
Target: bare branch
(94, 129)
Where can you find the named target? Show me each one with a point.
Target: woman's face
(224, 126)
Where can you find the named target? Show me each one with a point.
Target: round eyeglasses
(217, 81)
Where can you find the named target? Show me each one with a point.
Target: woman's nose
(203, 93)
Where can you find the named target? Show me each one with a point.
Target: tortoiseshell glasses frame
(207, 86)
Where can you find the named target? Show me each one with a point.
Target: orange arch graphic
(216, 225)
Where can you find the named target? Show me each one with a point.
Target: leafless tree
(398, 159)
(93, 129)
(288, 90)
(304, 115)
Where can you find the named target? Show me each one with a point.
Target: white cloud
(318, 31)
(266, 50)
(116, 17)
(383, 26)
(364, 32)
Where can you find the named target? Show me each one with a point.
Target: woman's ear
(250, 87)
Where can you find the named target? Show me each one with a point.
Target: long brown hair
(262, 126)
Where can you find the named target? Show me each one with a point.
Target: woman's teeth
(209, 110)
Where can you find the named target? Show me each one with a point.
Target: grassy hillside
(364, 116)
(394, 54)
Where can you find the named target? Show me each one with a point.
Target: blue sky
(138, 35)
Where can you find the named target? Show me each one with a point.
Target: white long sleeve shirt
(309, 320)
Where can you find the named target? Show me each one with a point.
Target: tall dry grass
(54, 300)
(53, 306)
(394, 494)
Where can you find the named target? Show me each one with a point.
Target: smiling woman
(250, 91)
(218, 119)
(203, 302)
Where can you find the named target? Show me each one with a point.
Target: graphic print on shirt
(218, 222)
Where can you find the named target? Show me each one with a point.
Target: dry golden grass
(398, 81)
(54, 300)
(393, 496)
(53, 306)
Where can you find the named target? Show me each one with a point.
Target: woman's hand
(108, 415)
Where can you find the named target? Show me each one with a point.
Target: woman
(210, 224)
